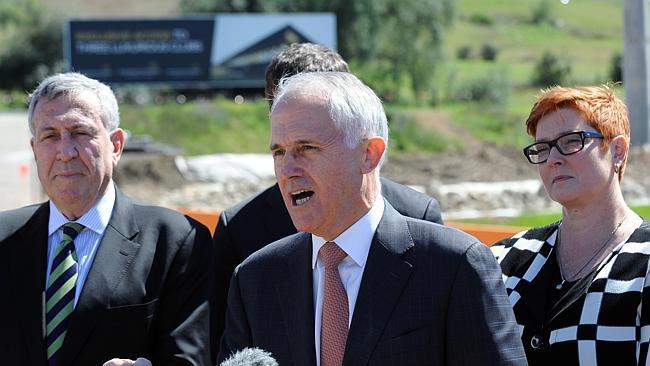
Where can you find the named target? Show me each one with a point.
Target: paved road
(18, 182)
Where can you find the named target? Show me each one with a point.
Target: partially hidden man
(89, 275)
(360, 284)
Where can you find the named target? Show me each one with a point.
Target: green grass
(203, 127)
(540, 219)
(218, 126)
(586, 32)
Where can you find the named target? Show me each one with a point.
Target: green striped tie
(61, 290)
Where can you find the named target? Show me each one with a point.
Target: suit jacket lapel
(28, 266)
(113, 258)
(294, 291)
(384, 278)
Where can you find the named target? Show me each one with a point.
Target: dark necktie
(334, 323)
(60, 290)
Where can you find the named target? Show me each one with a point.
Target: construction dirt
(155, 178)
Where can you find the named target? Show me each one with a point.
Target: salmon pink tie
(334, 324)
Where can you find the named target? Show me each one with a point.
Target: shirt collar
(95, 219)
(356, 239)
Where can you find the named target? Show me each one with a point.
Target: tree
(551, 70)
(32, 44)
(398, 37)
(410, 39)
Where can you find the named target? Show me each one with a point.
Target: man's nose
(68, 148)
(288, 166)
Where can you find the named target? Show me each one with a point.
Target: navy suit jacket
(262, 219)
(146, 294)
(430, 295)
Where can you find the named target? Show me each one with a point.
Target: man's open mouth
(301, 197)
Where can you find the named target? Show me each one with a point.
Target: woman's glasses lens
(566, 144)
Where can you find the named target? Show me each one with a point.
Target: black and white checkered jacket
(606, 324)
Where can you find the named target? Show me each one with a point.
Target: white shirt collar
(95, 219)
(356, 239)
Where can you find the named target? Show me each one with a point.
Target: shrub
(489, 52)
(616, 68)
(481, 19)
(542, 13)
(12, 99)
(464, 53)
(493, 88)
(551, 70)
(32, 44)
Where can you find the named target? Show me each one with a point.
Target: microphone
(250, 357)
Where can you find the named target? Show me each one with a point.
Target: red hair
(597, 105)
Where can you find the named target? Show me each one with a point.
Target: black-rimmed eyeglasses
(567, 144)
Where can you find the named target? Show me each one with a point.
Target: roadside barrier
(487, 234)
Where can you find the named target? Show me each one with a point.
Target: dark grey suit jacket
(430, 295)
(263, 219)
(146, 294)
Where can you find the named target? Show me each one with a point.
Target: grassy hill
(583, 34)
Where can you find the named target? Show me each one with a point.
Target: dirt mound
(155, 178)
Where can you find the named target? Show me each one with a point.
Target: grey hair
(353, 107)
(72, 84)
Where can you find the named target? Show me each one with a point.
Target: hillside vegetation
(495, 57)
(478, 100)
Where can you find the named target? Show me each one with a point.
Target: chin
(304, 224)
(564, 198)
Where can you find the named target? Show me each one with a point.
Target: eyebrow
(74, 127)
(558, 135)
(298, 142)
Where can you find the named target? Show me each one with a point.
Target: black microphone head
(250, 357)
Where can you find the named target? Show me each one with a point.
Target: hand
(124, 362)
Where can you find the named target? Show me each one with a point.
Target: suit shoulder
(151, 215)
(12, 220)
(409, 202)
(440, 237)
(392, 189)
(281, 248)
(244, 210)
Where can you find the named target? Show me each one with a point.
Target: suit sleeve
(225, 261)
(237, 333)
(183, 326)
(433, 212)
(481, 327)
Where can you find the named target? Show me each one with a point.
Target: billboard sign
(221, 51)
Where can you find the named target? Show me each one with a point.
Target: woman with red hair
(577, 286)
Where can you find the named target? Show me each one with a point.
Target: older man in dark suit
(234, 240)
(90, 275)
(361, 284)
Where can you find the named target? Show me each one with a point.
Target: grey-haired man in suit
(91, 275)
(360, 284)
(233, 238)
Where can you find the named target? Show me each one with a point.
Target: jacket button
(536, 341)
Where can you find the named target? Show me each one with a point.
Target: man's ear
(373, 150)
(117, 137)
